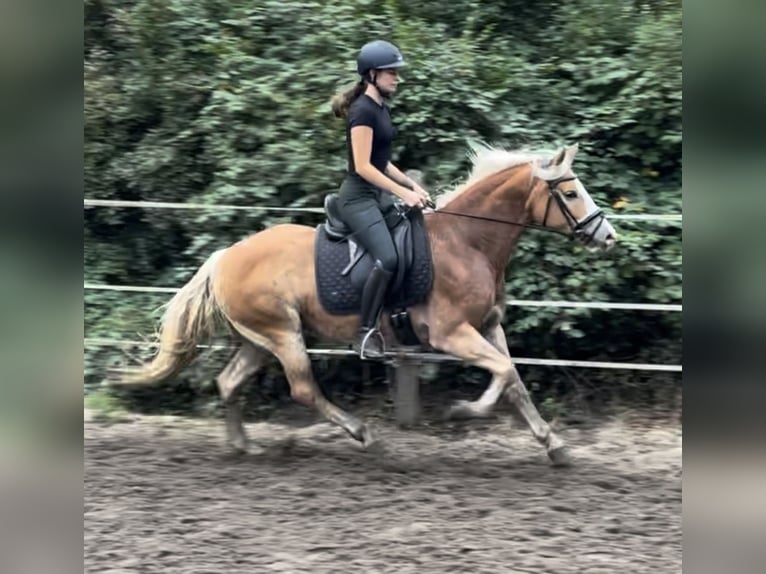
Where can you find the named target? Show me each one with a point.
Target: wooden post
(407, 398)
(391, 381)
(366, 379)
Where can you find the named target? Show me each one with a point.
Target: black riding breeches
(363, 215)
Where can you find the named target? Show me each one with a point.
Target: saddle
(401, 234)
(343, 265)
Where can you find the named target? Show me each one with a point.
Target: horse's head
(559, 201)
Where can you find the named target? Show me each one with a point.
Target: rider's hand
(413, 199)
(420, 191)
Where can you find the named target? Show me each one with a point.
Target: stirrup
(366, 339)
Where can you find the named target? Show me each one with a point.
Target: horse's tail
(189, 316)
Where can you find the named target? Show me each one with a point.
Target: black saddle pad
(342, 295)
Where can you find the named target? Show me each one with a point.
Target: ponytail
(343, 99)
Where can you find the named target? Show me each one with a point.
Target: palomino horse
(264, 288)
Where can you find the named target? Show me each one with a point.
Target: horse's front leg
(467, 343)
(485, 404)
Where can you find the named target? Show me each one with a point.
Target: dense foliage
(219, 101)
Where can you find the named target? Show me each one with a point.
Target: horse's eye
(570, 194)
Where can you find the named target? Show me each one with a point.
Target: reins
(576, 227)
(505, 221)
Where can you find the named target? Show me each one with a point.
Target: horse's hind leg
(290, 349)
(243, 364)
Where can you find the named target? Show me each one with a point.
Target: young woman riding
(365, 197)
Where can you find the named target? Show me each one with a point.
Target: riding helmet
(378, 55)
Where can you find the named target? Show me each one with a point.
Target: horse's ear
(559, 157)
(565, 155)
(570, 152)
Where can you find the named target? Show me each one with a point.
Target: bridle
(576, 228)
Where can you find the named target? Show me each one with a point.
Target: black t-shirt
(367, 112)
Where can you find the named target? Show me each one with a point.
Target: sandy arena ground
(164, 495)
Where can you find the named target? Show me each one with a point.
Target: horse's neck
(502, 196)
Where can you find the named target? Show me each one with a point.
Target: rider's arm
(361, 146)
(395, 173)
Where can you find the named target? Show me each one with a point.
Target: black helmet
(378, 55)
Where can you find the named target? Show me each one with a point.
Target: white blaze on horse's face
(598, 233)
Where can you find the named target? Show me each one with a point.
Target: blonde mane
(487, 160)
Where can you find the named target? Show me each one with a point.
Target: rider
(365, 195)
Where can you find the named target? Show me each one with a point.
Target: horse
(263, 289)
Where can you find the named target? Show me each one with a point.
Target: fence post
(407, 393)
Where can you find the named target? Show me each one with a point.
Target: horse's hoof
(560, 457)
(459, 410)
(240, 446)
(464, 410)
(370, 440)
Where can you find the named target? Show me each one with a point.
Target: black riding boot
(370, 344)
